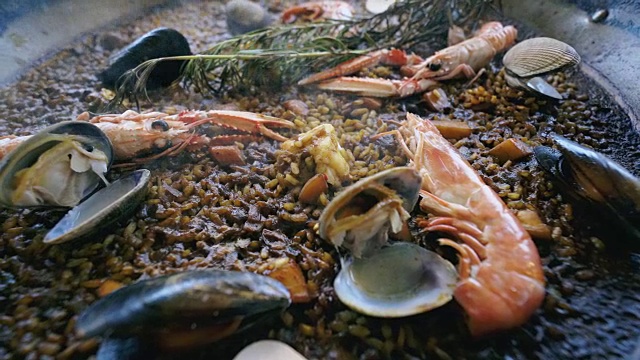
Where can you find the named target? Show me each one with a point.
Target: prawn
(501, 278)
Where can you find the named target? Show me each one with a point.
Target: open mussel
(59, 166)
(181, 311)
(526, 63)
(595, 180)
(157, 43)
(116, 201)
(379, 279)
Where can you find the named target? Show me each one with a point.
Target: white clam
(360, 216)
(379, 279)
(530, 59)
(399, 280)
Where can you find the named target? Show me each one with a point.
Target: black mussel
(58, 167)
(244, 16)
(185, 310)
(593, 178)
(157, 43)
(128, 348)
(636, 352)
(109, 205)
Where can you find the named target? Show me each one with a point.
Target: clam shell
(539, 56)
(378, 6)
(112, 203)
(269, 350)
(361, 215)
(400, 280)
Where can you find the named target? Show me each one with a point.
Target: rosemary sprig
(287, 52)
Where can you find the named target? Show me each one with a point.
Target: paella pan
(352, 179)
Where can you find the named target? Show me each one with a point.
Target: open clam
(359, 217)
(530, 59)
(110, 204)
(59, 166)
(182, 310)
(399, 280)
(594, 179)
(378, 279)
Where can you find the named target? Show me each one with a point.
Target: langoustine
(466, 59)
(501, 279)
(134, 135)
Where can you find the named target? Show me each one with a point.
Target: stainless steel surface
(610, 49)
(54, 24)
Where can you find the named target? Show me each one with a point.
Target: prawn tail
(489, 308)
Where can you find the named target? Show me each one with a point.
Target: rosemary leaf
(287, 52)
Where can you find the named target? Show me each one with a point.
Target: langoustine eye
(435, 66)
(160, 125)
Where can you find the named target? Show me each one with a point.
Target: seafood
(379, 279)
(462, 59)
(593, 178)
(530, 59)
(269, 350)
(322, 144)
(157, 43)
(315, 10)
(185, 309)
(59, 166)
(136, 134)
(399, 280)
(114, 202)
(502, 282)
(378, 6)
(359, 217)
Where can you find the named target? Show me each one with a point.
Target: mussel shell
(28, 152)
(400, 280)
(157, 43)
(186, 300)
(538, 56)
(130, 348)
(109, 205)
(589, 176)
